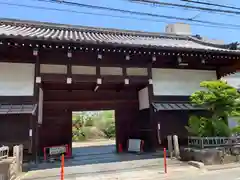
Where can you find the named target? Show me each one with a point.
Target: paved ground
(100, 142)
(99, 162)
(228, 174)
(115, 170)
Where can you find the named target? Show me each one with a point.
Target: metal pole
(62, 167)
(165, 160)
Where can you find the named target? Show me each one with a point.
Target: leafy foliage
(222, 101)
(93, 125)
(109, 131)
(218, 97)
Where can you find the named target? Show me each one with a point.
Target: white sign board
(134, 145)
(57, 150)
(30, 132)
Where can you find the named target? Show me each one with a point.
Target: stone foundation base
(209, 156)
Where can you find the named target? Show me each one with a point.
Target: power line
(184, 8)
(159, 3)
(136, 12)
(210, 24)
(212, 4)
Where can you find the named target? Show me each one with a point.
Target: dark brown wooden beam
(125, 78)
(58, 56)
(31, 138)
(149, 70)
(114, 79)
(104, 79)
(170, 98)
(69, 70)
(53, 78)
(69, 64)
(98, 73)
(35, 127)
(138, 79)
(87, 102)
(110, 59)
(79, 78)
(17, 99)
(140, 55)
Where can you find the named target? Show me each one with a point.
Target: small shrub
(110, 131)
(207, 127)
(222, 101)
(78, 135)
(89, 122)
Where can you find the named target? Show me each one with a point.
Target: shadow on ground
(94, 155)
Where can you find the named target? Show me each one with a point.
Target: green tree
(222, 101)
(77, 124)
(90, 125)
(106, 123)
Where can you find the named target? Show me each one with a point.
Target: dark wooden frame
(21, 50)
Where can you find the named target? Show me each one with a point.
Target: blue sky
(228, 35)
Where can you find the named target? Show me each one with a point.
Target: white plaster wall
(52, 68)
(16, 79)
(137, 71)
(111, 71)
(233, 80)
(232, 121)
(88, 70)
(143, 98)
(179, 81)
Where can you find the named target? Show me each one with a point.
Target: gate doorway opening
(93, 134)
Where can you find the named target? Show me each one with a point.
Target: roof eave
(89, 43)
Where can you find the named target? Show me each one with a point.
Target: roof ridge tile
(60, 32)
(86, 28)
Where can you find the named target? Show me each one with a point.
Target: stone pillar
(18, 154)
(170, 145)
(176, 146)
(8, 169)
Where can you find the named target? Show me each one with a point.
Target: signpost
(56, 151)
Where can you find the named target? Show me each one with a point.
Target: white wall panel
(233, 121)
(179, 81)
(137, 71)
(233, 80)
(52, 68)
(16, 79)
(143, 98)
(88, 70)
(111, 71)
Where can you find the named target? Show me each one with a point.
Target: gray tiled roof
(79, 34)
(175, 106)
(18, 108)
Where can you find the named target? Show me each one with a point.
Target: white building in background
(234, 81)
